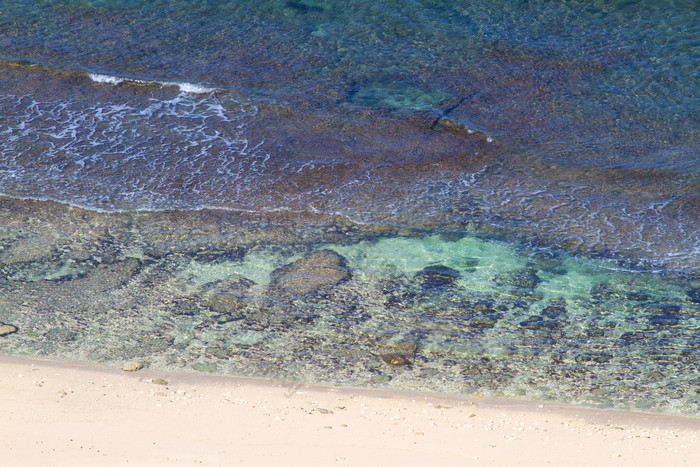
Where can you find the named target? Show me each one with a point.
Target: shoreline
(85, 413)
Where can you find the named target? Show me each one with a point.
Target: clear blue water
(564, 130)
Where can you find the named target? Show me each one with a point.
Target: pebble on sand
(132, 366)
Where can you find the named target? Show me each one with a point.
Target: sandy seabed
(61, 413)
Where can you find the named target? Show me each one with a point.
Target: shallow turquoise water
(322, 300)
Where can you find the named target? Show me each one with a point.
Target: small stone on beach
(132, 366)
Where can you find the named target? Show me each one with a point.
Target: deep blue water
(592, 107)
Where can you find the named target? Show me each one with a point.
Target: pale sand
(56, 413)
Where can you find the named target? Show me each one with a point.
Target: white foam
(189, 88)
(192, 88)
(106, 79)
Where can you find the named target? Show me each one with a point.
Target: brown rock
(320, 269)
(395, 359)
(437, 276)
(132, 366)
(6, 329)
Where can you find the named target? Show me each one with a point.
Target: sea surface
(484, 197)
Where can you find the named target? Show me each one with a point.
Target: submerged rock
(481, 315)
(317, 270)
(395, 359)
(594, 357)
(549, 262)
(665, 320)
(481, 323)
(555, 309)
(631, 337)
(399, 348)
(638, 297)
(61, 334)
(459, 128)
(663, 314)
(218, 350)
(217, 253)
(437, 276)
(523, 279)
(469, 264)
(606, 292)
(538, 322)
(227, 307)
(303, 7)
(6, 329)
(380, 379)
(595, 333)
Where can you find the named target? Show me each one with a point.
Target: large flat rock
(318, 270)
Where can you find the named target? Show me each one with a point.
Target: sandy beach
(73, 414)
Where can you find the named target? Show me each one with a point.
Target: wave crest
(189, 88)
